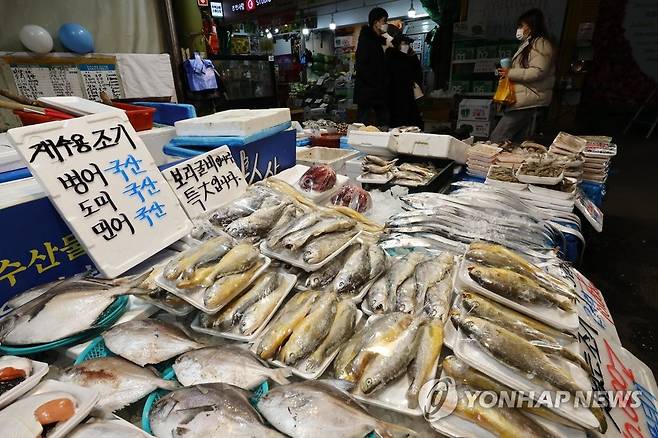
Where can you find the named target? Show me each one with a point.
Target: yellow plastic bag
(505, 92)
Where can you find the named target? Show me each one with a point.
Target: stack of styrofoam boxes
(478, 113)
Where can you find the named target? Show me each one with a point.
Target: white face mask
(404, 48)
(383, 27)
(519, 34)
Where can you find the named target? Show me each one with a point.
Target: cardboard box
(475, 109)
(481, 129)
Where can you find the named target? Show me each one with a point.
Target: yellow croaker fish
(238, 259)
(516, 352)
(311, 331)
(228, 287)
(204, 253)
(498, 256)
(289, 317)
(429, 350)
(341, 330)
(517, 287)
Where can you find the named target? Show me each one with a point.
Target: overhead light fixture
(268, 35)
(276, 30)
(411, 13)
(305, 30)
(332, 25)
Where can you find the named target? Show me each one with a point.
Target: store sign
(207, 181)
(248, 5)
(216, 9)
(105, 185)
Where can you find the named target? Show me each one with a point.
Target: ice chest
(431, 145)
(233, 123)
(336, 158)
(384, 140)
(257, 159)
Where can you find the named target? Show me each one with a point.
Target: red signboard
(202, 2)
(250, 5)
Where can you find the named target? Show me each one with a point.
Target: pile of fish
(478, 212)
(416, 283)
(408, 174)
(216, 268)
(312, 237)
(376, 165)
(388, 347)
(67, 308)
(216, 409)
(347, 273)
(160, 297)
(308, 330)
(246, 313)
(509, 275)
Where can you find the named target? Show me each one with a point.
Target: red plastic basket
(141, 117)
(30, 118)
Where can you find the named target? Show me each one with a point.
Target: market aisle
(622, 261)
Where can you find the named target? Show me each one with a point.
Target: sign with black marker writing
(106, 186)
(207, 181)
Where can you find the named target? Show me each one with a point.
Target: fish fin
(342, 385)
(390, 430)
(169, 385)
(280, 375)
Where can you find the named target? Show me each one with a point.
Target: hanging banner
(207, 181)
(106, 186)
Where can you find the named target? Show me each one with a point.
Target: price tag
(106, 186)
(206, 182)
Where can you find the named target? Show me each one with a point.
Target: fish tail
(390, 430)
(169, 385)
(280, 376)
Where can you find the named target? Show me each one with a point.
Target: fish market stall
(399, 302)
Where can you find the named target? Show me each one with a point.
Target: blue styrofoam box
(257, 159)
(169, 113)
(594, 191)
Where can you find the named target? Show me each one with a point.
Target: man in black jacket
(372, 77)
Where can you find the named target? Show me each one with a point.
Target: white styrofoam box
(77, 105)
(353, 167)
(233, 123)
(480, 128)
(431, 145)
(476, 109)
(155, 139)
(381, 140)
(336, 158)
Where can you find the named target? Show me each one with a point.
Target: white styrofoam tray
(185, 310)
(375, 178)
(541, 197)
(356, 298)
(39, 369)
(321, 369)
(295, 259)
(543, 180)
(475, 356)
(289, 280)
(85, 398)
(552, 193)
(194, 296)
(233, 123)
(557, 318)
(515, 187)
(77, 105)
(421, 144)
(336, 158)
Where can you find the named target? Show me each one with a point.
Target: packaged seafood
(245, 317)
(353, 197)
(17, 376)
(319, 178)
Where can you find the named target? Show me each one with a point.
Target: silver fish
(118, 381)
(225, 364)
(379, 161)
(416, 169)
(429, 350)
(406, 296)
(204, 411)
(378, 296)
(324, 275)
(68, 308)
(378, 260)
(355, 272)
(187, 262)
(301, 223)
(314, 408)
(430, 272)
(225, 214)
(322, 247)
(256, 314)
(410, 176)
(296, 240)
(437, 299)
(377, 169)
(147, 341)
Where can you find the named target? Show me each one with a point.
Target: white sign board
(105, 185)
(207, 181)
(216, 9)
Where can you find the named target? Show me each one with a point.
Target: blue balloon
(76, 38)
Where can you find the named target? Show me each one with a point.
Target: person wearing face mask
(533, 75)
(372, 77)
(405, 70)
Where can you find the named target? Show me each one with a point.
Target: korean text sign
(105, 185)
(207, 181)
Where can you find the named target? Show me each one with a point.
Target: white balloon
(36, 38)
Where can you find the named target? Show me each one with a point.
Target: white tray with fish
(355, 298)
(36, 372)
(457, 427)
(289, 280)
(546, 199)
(513, 186)
(295, 259)
(183, 310)
(553, 316)
(323, 367)
(375, 178)
(475, 356)
(113, 426)
(23, 409)
(194, 296)
(543, 180)
(550, 193)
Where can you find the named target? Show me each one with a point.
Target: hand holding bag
(505, 92)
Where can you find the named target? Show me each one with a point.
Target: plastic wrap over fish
(319, 178)
(353, 197)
